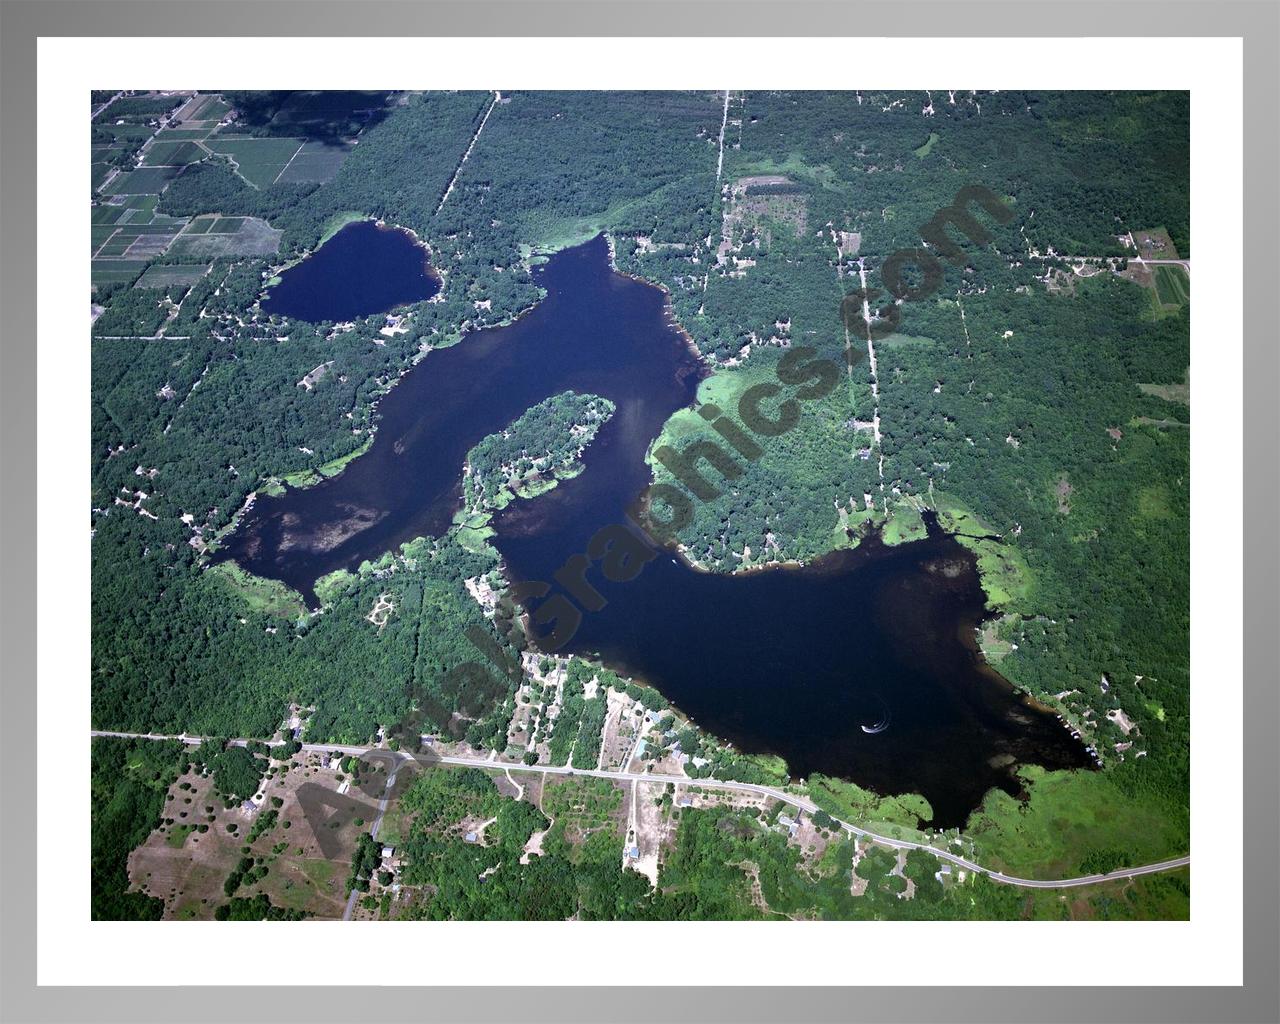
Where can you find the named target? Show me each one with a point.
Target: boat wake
(882, 724)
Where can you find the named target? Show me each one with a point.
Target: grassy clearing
(1180, 393)
(927, 148)
(472, 530)
(339, 221)
(582, 805)
(335, 466)
(1006, 577)
(895, 340)
(270, 597)
(793, 167)
(1071, 817)
(311, 477)
(327, 588)
(859, 806)
(903, 525)
(1173, 287)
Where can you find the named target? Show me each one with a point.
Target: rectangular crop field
(176, 273)
(259, 161)
(137, 202)
(106, 214)
(116, 245)
(115, 271)
(208, 108)
(128, 135)
(315, 161)
(147, 246)
(172, 153)
(142, 181)
(182, 134)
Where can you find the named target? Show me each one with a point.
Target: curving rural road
(793, 799)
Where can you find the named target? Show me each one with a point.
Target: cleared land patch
(1173, 288)
(1171, 392)
(253, 237)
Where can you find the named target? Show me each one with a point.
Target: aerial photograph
(680, 505)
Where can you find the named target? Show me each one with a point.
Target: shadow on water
(862, 665)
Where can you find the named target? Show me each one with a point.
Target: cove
(364, 268)
(862, 665)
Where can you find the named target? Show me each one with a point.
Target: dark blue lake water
(363, 269)
(795, 662)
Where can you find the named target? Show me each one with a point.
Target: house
(470, 837)
(388, 851)
(633, 853)
(943, 873)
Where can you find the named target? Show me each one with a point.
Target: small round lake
(365, 268)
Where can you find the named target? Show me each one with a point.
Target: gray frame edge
(1257, 21)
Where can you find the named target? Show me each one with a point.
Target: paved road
(743, 787)
(1132, 258)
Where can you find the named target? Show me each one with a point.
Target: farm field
(104, 272)
(142, 181)
(162, 276)
(258, 161)
(171, 153)
(315, 161)
(250, 237)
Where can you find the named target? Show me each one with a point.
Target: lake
(365, 268)
(862, 665)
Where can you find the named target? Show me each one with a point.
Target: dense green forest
(1021, 398)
